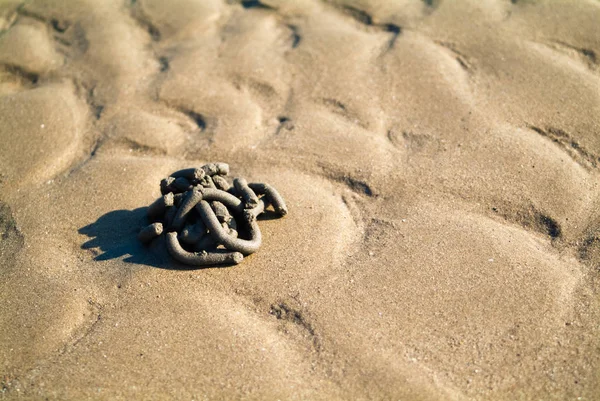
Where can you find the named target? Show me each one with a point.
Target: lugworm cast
(169, 217)
(187, 204)
(206, 243)
(221, 183)
(272, 195)
(248, 195)
(166, 185)
(229, 230)
(150, 232)
(234, 204)
(200, 258)
(207, 182)
(158, 207)
(177, 198)
(216, 169)
(182, 184)
(200, 208)
(235, 244)
(260, 208)
(192, 174)
(221, 211)
(192, 233)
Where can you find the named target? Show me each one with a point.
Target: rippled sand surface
(440, 160)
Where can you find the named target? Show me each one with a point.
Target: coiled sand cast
(201, 215)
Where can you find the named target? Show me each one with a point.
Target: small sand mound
(200, 233)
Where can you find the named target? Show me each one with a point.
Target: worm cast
(166, 185)
(233, 203)
(169, 217)
(191, 174)
(221, 211)
(232, 231)
(233, 225)
(187, 204)
(203, 211)
(191, 234)
(272, 195)
(221, 183)
(207, 182)
(206, 243)
(182, 184)
(216, 169)
(150, 232)
(158, 207)
(222, 237)
(200, 258)
(177, 198)
(248, 195)
(260, 208)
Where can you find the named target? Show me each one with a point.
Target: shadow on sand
(115, 236)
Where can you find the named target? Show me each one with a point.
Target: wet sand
(440, 162)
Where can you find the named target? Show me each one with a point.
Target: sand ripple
(439, 159)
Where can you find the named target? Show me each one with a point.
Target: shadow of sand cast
(115, 235)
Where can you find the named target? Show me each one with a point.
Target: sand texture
(440, 162)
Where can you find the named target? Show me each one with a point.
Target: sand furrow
(439, 161)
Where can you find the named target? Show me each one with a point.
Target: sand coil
(207, 224)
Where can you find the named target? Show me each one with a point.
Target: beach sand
(440, 162)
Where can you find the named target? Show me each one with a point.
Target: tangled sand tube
(208, 221)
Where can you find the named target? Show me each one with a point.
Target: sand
(440, 162)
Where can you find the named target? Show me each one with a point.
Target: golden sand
(440, 164)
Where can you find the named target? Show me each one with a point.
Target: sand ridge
(439, 160)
